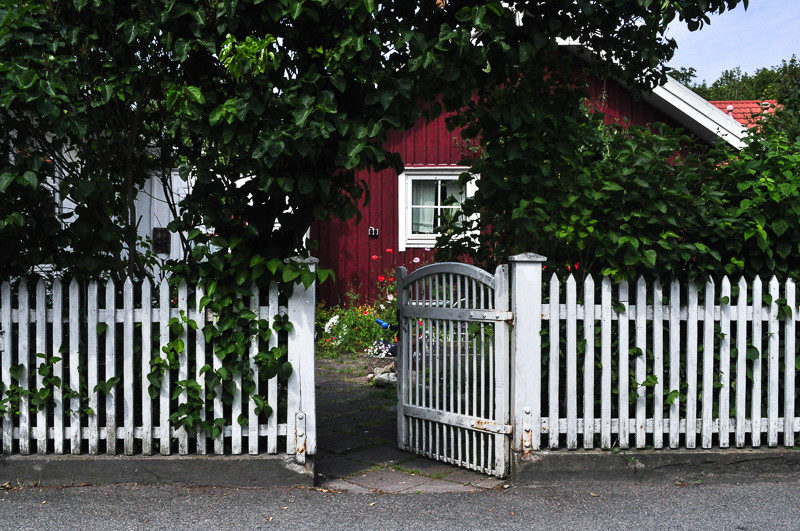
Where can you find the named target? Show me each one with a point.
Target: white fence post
(526, 351)
(301, 415)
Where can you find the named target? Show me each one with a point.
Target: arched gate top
(453, 268)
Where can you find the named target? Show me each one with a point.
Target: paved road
(579, 504)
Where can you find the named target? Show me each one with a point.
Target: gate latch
(491, 316)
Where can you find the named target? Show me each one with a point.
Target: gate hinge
(491, 316)
(300, 438)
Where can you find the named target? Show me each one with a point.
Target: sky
(767, 32)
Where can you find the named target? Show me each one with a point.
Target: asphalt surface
(729, 504)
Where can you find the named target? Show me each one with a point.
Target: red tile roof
(746, 111)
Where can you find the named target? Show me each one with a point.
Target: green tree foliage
(268, 109)
(769, 83)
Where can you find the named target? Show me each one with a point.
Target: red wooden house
(397, 225)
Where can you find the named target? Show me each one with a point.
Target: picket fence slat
(105, 361)
(183, 363)
(23, 358)
(147, 352)
(272, 384)
(789, 364)
(572, 364)
(725, 364)
(552, 385)
(252, 420)
(658, 365)
(74, 366)
(127, 367)
(605, 361)
(5, 365)
(624, 356)
(93, 363)
(708, 365)
(164, 339)
(111, 369)
(755, 396)
(41, 347)
(58, 367)
(772, 363)
(741, 367)
(200, 362)
(588, 363)
(674, 363)
(641, 360)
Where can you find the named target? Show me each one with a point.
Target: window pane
(423, 193)
(422, 220)
(452, 192)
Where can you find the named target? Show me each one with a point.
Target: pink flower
(427, 249)
(416, 260)
(390, 297)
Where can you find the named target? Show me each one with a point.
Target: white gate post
(301, 417)
(526, 351)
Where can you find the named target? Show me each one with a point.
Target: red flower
(381, 278)
(389, 251)
(374, 257)
(366, 312)
(391, 279)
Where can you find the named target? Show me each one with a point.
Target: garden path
(357, 437)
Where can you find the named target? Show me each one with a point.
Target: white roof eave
(696, 114)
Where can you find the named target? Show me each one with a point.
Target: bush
(637, 200)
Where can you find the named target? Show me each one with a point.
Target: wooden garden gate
(453, 365)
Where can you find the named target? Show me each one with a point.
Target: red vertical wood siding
(347, 248)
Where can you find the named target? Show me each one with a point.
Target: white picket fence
(59, 319)
(724, 350)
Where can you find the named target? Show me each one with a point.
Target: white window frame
(406, 239)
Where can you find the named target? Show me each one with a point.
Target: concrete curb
(680, 465)
(189, 471)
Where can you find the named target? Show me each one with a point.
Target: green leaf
(672, 396)
(6, 179)
(216, 115)
(285, 371)
(289, 274)
(28, 178)
(196, 94)
(273, 264)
